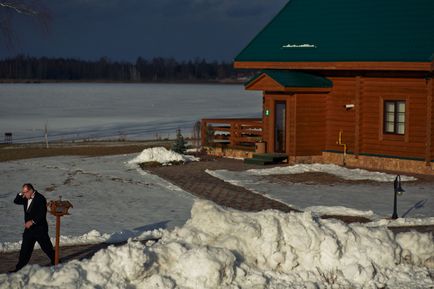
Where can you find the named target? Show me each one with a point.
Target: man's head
(28, 190)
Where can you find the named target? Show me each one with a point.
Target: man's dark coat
(38, 232)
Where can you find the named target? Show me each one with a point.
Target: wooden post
(58, 209)
(203, 128)
(57, 248)
(233, 133)
(46, 135)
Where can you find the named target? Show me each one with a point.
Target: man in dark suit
(35, 226)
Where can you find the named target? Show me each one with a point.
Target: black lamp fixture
(398, 191)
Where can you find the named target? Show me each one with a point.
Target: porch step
(266, 159)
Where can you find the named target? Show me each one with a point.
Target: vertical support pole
(232, 133)
(57, 248)
(203, 128)
(46, 135)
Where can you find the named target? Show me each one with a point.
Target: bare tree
(10, 8)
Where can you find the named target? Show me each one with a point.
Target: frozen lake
(108, 110)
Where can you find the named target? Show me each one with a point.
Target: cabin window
(394, 116)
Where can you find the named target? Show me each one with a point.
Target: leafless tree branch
(32, 8)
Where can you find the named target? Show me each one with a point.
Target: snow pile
(109, 268)
(341, 210)
(161, 155)
(92, 237)
(223, 248)
(342, 172)
(403, 222)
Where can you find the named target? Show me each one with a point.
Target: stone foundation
(379, 163)
(363, 162)
(229, 152)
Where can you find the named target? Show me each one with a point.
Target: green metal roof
(289, 78)
(347, 30)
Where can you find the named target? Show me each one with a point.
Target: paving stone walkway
(192, 178)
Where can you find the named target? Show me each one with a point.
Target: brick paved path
(192, 178)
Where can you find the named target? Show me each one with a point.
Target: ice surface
(224, 248)
(117, 110)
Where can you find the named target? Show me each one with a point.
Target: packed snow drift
(225, 248)
(161, 155)
(341, 172)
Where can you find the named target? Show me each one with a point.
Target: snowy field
(372, 198)
(223, 248)
(109, 195)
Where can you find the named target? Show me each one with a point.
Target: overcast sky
(126, 29)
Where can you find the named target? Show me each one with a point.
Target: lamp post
(58, 209)
(398, 191)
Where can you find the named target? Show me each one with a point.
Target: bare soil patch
(19, 152)
(318, 178)
(311, 178)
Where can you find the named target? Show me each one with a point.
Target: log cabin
(343, 82)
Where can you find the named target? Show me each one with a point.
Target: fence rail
(241, 133)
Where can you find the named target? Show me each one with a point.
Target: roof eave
(344, 65)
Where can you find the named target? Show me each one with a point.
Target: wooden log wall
(363, 126)
(310, 124)
(314, 120)
(430, 97)
(375, 92)
(338, 118)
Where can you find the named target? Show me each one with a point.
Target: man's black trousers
(30, 237)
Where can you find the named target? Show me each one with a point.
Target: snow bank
(403, 222)
(92, 237)
(223, 248)
(341, 210)
(342, 172)
(161, 155)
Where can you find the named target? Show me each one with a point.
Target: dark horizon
(124, 30)
(23, 68)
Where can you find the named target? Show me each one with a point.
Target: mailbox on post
(58, 209)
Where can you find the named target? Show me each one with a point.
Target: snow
(402, 222)
(107, 194)
(372, 198)
(162, 156)
(341, 172)
(225, 248)
(299, 46)
(339, 210)
(92, 237)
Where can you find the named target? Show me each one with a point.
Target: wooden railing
(231, 132)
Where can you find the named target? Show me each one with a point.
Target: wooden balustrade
(231, 132)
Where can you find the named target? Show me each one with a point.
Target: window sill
(393, 137)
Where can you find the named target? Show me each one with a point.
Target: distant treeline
(22, 68)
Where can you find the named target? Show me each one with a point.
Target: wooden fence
(235, 133)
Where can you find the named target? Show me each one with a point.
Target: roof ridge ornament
(305, 45)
